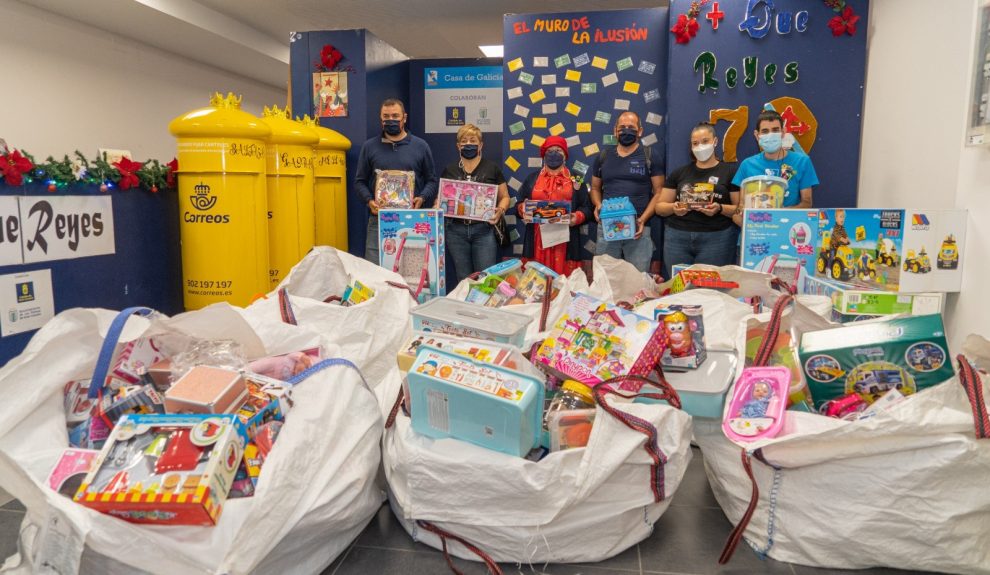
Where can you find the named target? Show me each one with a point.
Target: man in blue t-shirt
(634, 171)
(775, 160)
(394, 149)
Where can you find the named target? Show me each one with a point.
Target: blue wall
(145, 270)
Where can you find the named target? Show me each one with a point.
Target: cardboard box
(595, 341)
(206, 389)
(907, 354)
(468, 200)
(780, 242)
(910, 251)
(411, 243)
(853, 301)
(166, 469)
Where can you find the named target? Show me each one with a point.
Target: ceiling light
(492, 51)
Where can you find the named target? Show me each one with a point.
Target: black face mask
(392, 127)
(469, 151)
(628, 137)
(554, 160)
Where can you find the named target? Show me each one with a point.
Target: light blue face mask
(771, 142)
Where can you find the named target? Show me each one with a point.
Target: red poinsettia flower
(173, 167)
(13, 166)
(128, 173)
(685, 29)
(330, 57)
(844, 23)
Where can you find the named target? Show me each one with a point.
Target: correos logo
(203, 201)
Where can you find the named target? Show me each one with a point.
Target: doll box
(908, 354)
(411, 244)
(684, 326)
(618, 219)
(456, 396)
(453, 317)
(468, 200)
(206, 389)
(394, 188)
(165, 469)
(595, 341)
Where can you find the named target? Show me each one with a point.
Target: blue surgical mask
(469, 151)
(771, 142)
(392, 127)
(628, 136)
(554, 160)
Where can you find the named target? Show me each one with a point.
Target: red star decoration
(715, 15)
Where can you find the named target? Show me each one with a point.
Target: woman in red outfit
(554, 182)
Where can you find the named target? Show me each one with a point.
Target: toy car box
(618, 219)
(468, 200)
(454, 317)
(780, 242)
(394, 188)
(907, 354)
(595, 341)
(411, 244)
(166, 469)
(684, 326)
(892, 250)
(455, 396)
(853, 301)
(548, 211)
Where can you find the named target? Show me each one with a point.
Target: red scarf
(553, 186)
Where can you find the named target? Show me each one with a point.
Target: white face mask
(703, 152)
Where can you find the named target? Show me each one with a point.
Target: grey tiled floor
(686, 540)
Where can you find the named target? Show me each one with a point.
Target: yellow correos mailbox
(222, 203)
(291, 222)
(330, 193)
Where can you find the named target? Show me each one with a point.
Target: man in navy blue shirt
(395, 149)
(626, 170)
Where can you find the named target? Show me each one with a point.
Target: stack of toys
(510, 283)
(172, 449)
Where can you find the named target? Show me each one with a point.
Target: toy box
(394, 188)
(165, 469)
(454, 396)
(468, 200)
(411, 243)
(852, 301)
(356, 293)
(453, 317)
(504, 269)
(595, 341)
(698, 196)
(892, 250)
(267, 400)
(758, 404)
(206, 390)
(763, 192)
(907, 354)
(548, 211)
(135, 357)
(70, 470)
(780, 242)
(478, 349)
(618, 219)
(532, 286)
(688, 279)
(685, 329)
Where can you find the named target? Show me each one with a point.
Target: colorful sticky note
(591, 149)
(557, 129)
(651, 96)
(536, 162)
(550, 108)
(515, 184)
(549, 79)
(652, 118)
(631, 87)
(581, 60)
(580, 166)
(573, 141)
(599, 62)
(526, 78)
(537, 140)
(512, 163)
(603, 117)
(572, 109)
(514, 92)
(561, 61)
(540, 61)
(610, 79)
(649, 139)
(522, 111)
(647, 67)
(589, 88)
(539, 122)
(515, 64)
(609, 140)
(573, 75)
(517, 127)
(537, 96)
(563, 91)
(516, 144)
(583, 127)
(624, 64)
(621, 104)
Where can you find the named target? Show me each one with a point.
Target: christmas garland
(18, 167)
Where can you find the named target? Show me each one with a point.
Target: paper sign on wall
(26, 301)
(40, 229)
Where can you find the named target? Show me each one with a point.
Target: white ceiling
(250, 37)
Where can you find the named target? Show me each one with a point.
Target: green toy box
(856, 301)
(870, 359)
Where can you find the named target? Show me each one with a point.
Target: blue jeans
(637, 252)
(371, 242)
(713, 248)
(471, 246)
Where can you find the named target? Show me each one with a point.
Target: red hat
(553, 141)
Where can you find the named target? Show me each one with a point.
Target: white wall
(914, 123)
(68, 86)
